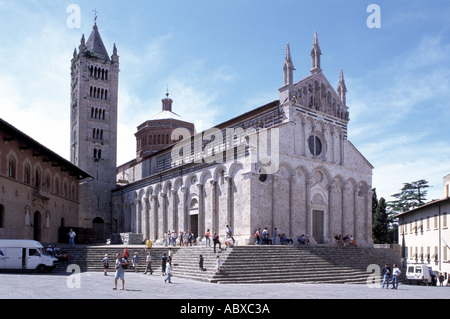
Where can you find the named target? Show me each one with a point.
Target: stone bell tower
(94, 99)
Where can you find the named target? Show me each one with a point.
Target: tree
(411, 195)
(380, 223)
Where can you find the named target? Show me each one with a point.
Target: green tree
(380, 224)
(411, 195)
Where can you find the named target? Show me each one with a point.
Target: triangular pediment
(315, 92)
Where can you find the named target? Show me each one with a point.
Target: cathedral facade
(286, 165)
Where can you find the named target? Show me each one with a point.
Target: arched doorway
(193, 217)
(37, 226)
(98, 224)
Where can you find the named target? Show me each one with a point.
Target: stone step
(251, 264)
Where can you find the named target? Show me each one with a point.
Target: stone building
(425, 235)
(286, 165)
(39, 189)
(93, 118)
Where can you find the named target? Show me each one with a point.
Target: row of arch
(220, 196)
(97, 134)
(37, 177)
(98, 113)
(98, 73)
(157, 139)
(98, 93)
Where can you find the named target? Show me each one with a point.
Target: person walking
(135, 261)
(125, 253)
(216, 240)
(163, 264)
(72, 235)
(386, 273)
(148, 244)
(395, 274)
(120, 271)
(169, 270)
(200, 263)
(207, 238)
(148, 268)
(105, 264)
(258, 237)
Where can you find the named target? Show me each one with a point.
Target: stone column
(368, 216)
(154, 219)
(344, 208)
(214, 206)
(163, 219)
(308, 206)
(333, 147)
(341, 149)
(201, 211)
(331, 217)
(305, 138)
(185, 191)
(229, 181)
(146, 218)
(291, 207)
(138, 208)
(356, 233)
(175, 211)
(274, 200)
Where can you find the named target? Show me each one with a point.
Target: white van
(419, 274)
(24, 254)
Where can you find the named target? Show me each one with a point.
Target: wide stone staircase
(251, 264)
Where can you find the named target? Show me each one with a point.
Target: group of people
(387, 273)
(57, 253)
(303, 239)
(263, 237)
(347, 240)
(122, 263)
(184, 238)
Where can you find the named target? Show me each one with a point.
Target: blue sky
(222, 58)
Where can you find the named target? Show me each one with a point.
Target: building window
(315, 145)
(12, 167)
(37, 175)
(57, 186)
(47, 182)
(97, 153)
(27, 174)
(65, 189)
(444, 220)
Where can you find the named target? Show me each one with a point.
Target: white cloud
(397, 118)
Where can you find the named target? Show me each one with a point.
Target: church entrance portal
(318, 226)
(99, 225)
(193, 217)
